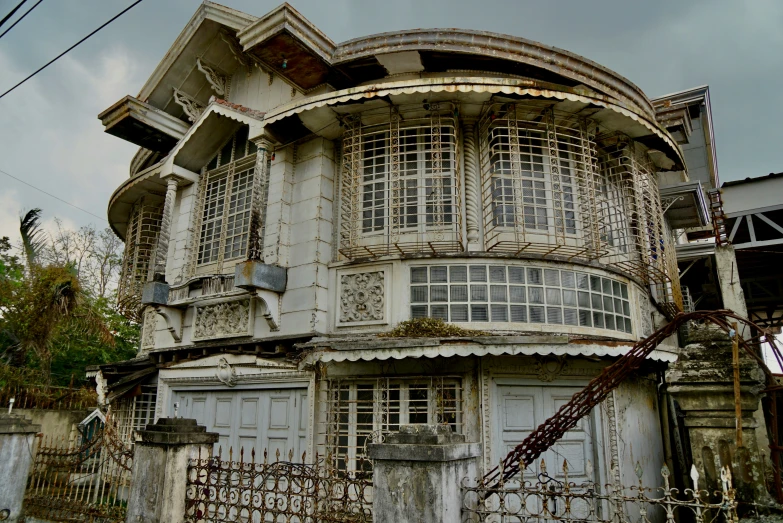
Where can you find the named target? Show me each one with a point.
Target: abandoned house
(293, 201)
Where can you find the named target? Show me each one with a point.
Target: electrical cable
(50, 62)
(21, 18)
(9, 15)
(53, 196)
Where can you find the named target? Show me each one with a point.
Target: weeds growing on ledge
(429, 328)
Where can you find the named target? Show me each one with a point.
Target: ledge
(142, 124)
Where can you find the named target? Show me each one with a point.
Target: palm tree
(49, 299)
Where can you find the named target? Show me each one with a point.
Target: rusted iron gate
(280, 491)
(543, 498)
(87, 481)
(567, 416)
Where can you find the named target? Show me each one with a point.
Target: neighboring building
(293, 198)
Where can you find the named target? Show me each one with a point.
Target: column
(160, 469)
(162, 248)
(255, 249)
(17, 435)
(418, 472)
(472, 199)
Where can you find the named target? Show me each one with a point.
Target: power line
(53, 196)
(72, 47)
(21, 18)
(9, 15)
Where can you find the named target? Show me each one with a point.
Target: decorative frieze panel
(223, 320)
(362, 297)
(150, 321)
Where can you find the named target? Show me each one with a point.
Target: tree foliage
(57, 312)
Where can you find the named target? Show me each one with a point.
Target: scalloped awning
(633, 124)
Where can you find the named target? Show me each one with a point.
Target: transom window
(500, 294)
(227, 198)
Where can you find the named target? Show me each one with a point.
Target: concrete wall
(55, 423)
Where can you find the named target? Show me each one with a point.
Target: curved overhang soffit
(599, 108)
(216, 124)
(499, 46)
(145, 183)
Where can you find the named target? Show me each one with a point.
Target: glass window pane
(519, 313)
(516, 275)
(535, 294)
(570, 317)
(585, 318)
(616, 288)
(459, 313)
(536, 314)
(596, 302)
(497, 274)
(608, 304)
(440, 312)
(595, 284)
(478, 293)
(534, 276)
(553, 296)
(554, 315)
(458, 273)
(626, 308)
(438, 275)
(418, 311)
(624, 291)
(581, 281)
(439, 293)
(497, 293)
(598, 320)
(517, 294)
(583, 298)
(499, 312)
(569, 298)
(419, 294)
(459, 293)
(479, 313)
(418, 274)
(609, 321)
(569, 280)
(552, 278)
(478, 273)
(607, 285)
(628, 325)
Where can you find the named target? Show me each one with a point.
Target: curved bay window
(224, 203)
(399, 184)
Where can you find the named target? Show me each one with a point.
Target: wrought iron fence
(87, 480)
(50, 398)
(279, 491)
(547, 498)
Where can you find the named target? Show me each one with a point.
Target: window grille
(538, 180)
(133, 413)
(140, 239)
(225, 199)
(501, 294)
(355, 410)
(400, 188)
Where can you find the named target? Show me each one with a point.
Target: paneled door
(520, 409)
(271, 419)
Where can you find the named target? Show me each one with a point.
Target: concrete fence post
(418, 473)
(160, 469)
(17, 435)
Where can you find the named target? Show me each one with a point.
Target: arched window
(225, 200)
(399, 184)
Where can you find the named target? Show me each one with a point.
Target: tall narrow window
(400, 187)
(226, 201)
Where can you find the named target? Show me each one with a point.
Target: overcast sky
(51, 138)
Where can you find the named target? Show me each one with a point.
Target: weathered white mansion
(293, 198)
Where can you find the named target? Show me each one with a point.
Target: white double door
(521, 408)
(271, 419)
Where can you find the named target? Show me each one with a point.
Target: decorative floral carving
(217, 81)
(222, 320)
(226, 373)
(192, 108)
(548, 368)
(148, 328)
(362, 297)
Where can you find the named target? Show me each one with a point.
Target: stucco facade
(294, 198)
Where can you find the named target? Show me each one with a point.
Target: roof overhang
(218, 122)
(397, 349)
(685, 205)
(142, 124)
(321, 114)
(147, 183)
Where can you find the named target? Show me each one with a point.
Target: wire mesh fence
(264, 488)
(49, 398)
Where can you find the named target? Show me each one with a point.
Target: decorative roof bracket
(218, 82)
(192, 108)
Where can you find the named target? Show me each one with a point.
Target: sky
(50, 136)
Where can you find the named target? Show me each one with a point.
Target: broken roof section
(218, 41)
